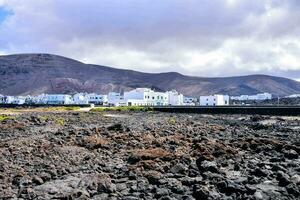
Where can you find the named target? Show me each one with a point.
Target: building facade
(175, 98)
(214, 100)
(189, 101)
(145, 97)
(97, 99)
(59, 99)
(115, 99)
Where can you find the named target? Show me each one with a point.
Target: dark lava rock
(293, 189)
(179, 168)
(204, 193)
(230, 187)
(116, 127)
(291, 154)
(161, 192)
(283, 179)
(210, 166)
(260, 172)
(154, 177)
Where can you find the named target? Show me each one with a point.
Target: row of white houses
(136, 97)
(256, 97)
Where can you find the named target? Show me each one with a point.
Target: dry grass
(150, 154)
(94, 142)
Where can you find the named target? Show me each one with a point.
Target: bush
(4, 117)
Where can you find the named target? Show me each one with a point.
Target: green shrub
(60, 121)
(172, 120)
(4, 117)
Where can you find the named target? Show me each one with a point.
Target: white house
(19, 100)
(175, 98)
(115, 99)
(80, 98)
(59, 99)
(189, 101)
(40, 99)
(214, 100)
(97, 99)
(9, 99)
(145, 97)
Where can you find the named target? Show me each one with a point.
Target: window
(152, 97)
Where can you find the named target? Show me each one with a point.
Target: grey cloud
(197, 37)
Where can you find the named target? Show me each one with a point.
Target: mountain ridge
(24, 74)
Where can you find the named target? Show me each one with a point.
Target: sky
(193, 37)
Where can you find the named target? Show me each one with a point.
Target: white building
(19, 100)
(40, 99)
(145, 97)
(1, 98)
(214, 100)
(98, 99)
(115, 99)
(175, 98)
(290, 96)
(9, 99)
(80, 99)
(257, 97)
(264, 96)
(58, 99)
(189, 101)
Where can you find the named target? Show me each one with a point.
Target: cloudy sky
(193, 37)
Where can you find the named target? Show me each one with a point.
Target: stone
(37, 180)
(178, 168)
(258, 195)
(295, 179)
(201, 192)
(154, 177)
(210, 166)
(291, 154)
(283, 179)
(161, 192)
(293, 189)
(260, 172)
(116, 127)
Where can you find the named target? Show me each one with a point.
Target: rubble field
(148, 155)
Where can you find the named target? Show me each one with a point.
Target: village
(136, 97)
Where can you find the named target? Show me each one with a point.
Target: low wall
(250, 110)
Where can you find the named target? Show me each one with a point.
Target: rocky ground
(148, 155)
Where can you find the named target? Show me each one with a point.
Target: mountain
(33, 74)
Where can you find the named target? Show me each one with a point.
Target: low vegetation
(172, 120)
(60, 121)
(63, 108)
(4, 117)
(122, 108)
